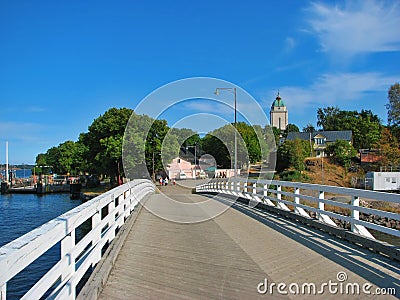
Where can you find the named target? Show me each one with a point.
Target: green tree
(41, 160)
(185, 136)
(291, 154)
(270, 131)
(80, 164)
(104, 142)
(328, 118)
(134, 146)
(155, 136)
(52, 158)
(62, 159)
(309, 128)
(393, 106)
(341, 152)
(389, 146)
(366, 126)
(217, 149)
(290, 128)
(67, 154)
(163, 143)
(251, 145)
(254, 142)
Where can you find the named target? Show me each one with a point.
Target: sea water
(21, 213)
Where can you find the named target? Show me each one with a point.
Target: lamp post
(195, 160)
(233, 90)
(154, 174)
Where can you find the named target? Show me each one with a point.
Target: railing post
(265, 192)
(3, 291)
(321, 195)
(278, 192)
(265, 199)
(96, 220)
(321, 206)
(299, 210)
(355, 214)
(297, 198)
(111, 214)
(67, 245)
(279, 198)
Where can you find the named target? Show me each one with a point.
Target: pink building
(179, 166)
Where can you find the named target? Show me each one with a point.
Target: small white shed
(382, 181)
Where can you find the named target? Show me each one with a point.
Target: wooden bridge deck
(228, 256)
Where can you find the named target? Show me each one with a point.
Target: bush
(293, 175)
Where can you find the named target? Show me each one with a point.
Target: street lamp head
(216, 92)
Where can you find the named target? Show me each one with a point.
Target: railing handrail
(260, 190)
(374, 195)
(18, 254)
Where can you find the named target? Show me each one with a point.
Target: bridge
(232, 239)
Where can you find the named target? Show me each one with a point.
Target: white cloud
(358, 27)
(290, 43)
(334, 89)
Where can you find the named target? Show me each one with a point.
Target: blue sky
(63, 63)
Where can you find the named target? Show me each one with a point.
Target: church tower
(279, 114)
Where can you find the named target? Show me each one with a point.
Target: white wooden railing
(296, 197)
(107, 213)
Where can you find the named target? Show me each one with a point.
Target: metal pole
(235, 146)
(235, 172)
(7, 175)
(322, 168)
(153, 175)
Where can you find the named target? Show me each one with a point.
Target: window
(179, 161)
(393, 179)
(320, 141)
(387, 179)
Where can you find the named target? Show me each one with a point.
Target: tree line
(118, 140)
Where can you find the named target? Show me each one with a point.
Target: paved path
(227, 257)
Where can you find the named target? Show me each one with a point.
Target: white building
(279, 114)
(383, 181)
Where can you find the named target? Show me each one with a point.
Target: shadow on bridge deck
(228, 256)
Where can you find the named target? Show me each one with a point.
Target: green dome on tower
(278, 102)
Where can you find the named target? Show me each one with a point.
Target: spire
(278, 102)
(278, 97)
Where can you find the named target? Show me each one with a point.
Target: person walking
(166, 181)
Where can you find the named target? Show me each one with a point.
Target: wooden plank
(228, 256)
